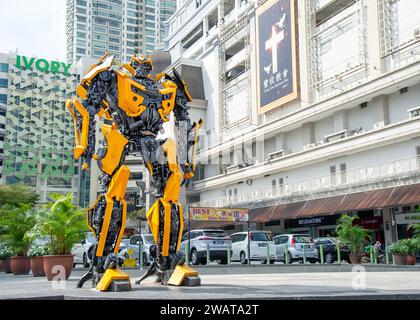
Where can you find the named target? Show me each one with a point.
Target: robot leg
(106, 219)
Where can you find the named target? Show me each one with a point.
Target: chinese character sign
(219, 214)
(276, 54)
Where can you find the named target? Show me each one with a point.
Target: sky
(34, 27)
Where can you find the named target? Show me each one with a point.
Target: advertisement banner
(408, 218)
(276, 54)
(219, 214)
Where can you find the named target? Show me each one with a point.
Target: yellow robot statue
(134, 105)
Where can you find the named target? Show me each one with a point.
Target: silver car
(216, 240)
(297, 246)
(147, 240)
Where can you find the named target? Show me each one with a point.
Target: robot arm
(90, 101)
(189, 132)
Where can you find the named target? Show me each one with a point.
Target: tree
(16, 195)
(136, 215)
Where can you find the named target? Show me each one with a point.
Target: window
(332, 174)
(80, 50)
(3, 98)
(4, 83)
(4, 67)
(343, 172)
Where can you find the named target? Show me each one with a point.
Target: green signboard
(42, 65)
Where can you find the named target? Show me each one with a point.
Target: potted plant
(5, 254)
(36, 254)
(62, 224)
(352, 235)
(16, 223)
(400, 250)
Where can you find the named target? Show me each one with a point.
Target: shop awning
(373, 199)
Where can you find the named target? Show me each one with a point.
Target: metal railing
(350, 178)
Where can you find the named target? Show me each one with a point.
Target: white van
(259, 240)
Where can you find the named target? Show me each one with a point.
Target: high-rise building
(312, 111)
(4, 83)
(37, 148)
(119, 27)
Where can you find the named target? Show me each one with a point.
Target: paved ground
(243, 282)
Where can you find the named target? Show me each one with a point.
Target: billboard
(276, 54)
(219, 214)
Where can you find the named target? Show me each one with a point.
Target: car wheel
(272, 261)
(145, 263)
(203, 261)
(329, 258)
(289, 257)
(223, 261)
(263, 261)
(86, 264)
(194, 257)
(74, 265)
(243, 258)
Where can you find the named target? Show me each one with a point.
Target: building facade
(312, 110)
(4, 83)
(119, 27)
(37, 150)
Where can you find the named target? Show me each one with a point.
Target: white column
(308, 133)
(380, 111)
(373, 39)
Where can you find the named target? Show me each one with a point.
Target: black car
(330, 250)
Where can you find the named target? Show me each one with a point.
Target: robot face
(142, 64)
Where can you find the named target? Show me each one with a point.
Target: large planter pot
(411, 260)
(6, 265)
(1, 266)
(37, 266)
(20, 265)
(58, 267)
(400, 260)
(355, 258)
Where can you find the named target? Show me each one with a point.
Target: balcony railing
(340, 180)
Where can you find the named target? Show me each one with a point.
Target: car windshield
(215, 233)
(261, 236)
(302, 239)
(149, 239)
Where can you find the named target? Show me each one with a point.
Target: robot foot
(181, 276)
(114, 280)
(150, 272)
(184, 275)
(87, 276)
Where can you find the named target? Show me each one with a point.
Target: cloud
(34, 27)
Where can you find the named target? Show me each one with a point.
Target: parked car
(147, 240)
(259, 240)
(81, 249)
(217, 240)
(296, 246)
(330, 249)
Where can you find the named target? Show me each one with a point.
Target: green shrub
(62, 223)
(403, 247)
(16, 223)
(352, 235)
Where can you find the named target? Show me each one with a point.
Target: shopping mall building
(311, 109)
(36, 144)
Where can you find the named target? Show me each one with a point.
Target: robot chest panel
(134, 99)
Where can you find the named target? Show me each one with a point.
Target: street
(243, 282)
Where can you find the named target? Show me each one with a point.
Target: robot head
(142, 65)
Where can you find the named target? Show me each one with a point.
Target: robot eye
(134, 64)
